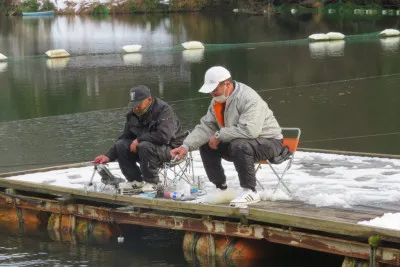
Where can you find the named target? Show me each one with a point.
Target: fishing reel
(107, 178)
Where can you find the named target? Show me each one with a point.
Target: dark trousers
(243, 153)
(149, 156)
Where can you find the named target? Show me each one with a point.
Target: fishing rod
(304, 149)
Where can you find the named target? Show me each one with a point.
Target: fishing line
(207, 97)
(306, 141)
(349, 137)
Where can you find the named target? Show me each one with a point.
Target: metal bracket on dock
(374, 242)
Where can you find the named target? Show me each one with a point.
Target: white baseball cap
(213, 77)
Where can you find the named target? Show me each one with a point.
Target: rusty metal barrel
(224, 250)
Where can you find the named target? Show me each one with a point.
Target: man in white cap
(238, 127)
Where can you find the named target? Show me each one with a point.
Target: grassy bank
(13, 7)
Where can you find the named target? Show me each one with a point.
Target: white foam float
(389, 33)
(131, 48)
(3, 66)
(293, 11)
(384, 12)
(335, 35)
(193, 56)
(56, 53)
(318, 37)
(236, 10)
(390, 45)
(331, 11)
(193, 45)
(2, 57)
(57, 63)
(398, 12)
(335, 48)
(133, 59)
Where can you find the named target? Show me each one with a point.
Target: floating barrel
(2, 57)
(389, 33)
(201, 248)
(193, 45)
(131, 48)
(21, 220)
(351, 262)
(57, 53)
(67, 227)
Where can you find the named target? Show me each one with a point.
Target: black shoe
(222, 186)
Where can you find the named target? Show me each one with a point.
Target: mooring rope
(374, 36)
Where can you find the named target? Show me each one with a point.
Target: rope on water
(374, 36)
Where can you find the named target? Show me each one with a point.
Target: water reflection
(57, 63)
(134, 59)
(390, 45)
(320, 50)
(3, 66)
(193, 56)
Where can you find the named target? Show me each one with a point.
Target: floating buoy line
(197, 46)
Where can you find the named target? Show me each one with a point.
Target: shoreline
(125, 7)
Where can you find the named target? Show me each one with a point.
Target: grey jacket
(246, 116)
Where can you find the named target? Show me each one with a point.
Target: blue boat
(38, 14)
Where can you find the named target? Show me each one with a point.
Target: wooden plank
(322, 224)
(100, 197)
(316, 221)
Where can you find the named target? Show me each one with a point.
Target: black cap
(137, 95)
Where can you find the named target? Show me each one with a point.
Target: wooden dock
(285, 222)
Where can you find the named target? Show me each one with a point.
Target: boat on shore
(38, 14)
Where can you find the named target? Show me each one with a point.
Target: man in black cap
(151, 130)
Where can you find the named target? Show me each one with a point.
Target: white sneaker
(247, 196)
(149, 188)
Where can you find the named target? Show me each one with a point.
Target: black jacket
(159, 125)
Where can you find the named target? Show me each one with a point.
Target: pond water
(344, 95)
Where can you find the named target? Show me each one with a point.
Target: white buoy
(56, 53)
(57, 63)
(335, 48)
(193, 56)
(384, 12)
(335, 35)
(331, 11)
(133, 59)
(236, 10)
(2, 57)
(357, 12)
(120, 239)
(389, 33)
(3, 66)
(131, 48)
(317, 37)
(398, 12)
(391, 12)
(293, 11)
(193, 45)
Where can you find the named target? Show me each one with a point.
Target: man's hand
(213, 142)
(102, 159)
(134, 145)
(178, 152)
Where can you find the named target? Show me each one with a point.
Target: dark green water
(343, 95)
